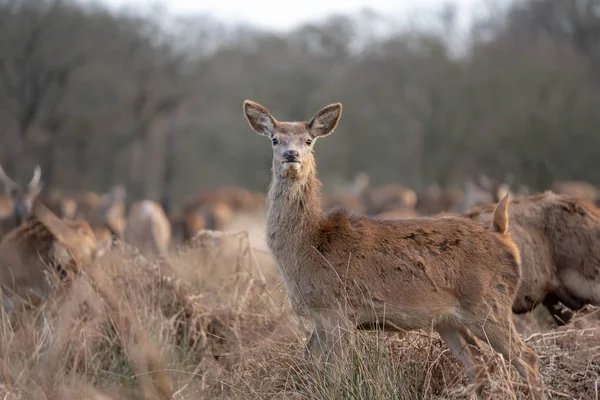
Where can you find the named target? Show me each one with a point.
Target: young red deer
(22, 200)
(27, 251)
(558, 237)
(346, 271)
(148, 228)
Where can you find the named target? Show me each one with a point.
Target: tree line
(98, 97)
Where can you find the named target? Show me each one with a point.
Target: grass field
(213, 322)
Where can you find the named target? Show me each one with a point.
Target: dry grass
(212, 322)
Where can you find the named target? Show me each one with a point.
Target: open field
(204, 325)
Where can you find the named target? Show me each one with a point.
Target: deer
(558, 237)
(389, 197)
(577, 188)
(62, 206)
(21, 199)
(346, 271)
(398, 213)
(213, 209)
(436, 199)
(43, 244)
(105, 213)
(374, 200)
(148, 228)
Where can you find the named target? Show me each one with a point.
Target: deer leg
(502, 336)
(327, 338)
(466, 349)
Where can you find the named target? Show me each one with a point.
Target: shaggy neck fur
(294, 214)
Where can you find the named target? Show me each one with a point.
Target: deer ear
(325, 121)
(259, 118)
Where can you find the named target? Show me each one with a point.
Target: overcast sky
(280, 14)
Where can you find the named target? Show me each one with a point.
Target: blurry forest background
(98, 97)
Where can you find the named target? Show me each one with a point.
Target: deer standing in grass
(345, 271)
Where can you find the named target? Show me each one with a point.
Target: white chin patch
(294, 166)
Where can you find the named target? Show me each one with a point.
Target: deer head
(76, 244)
(293, 142)
(22, 199)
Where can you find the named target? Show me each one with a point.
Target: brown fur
(148, 228)
(558, 237)
(28, 250)
(346, 271)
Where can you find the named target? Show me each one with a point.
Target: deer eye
(309, 142)
(274, 141)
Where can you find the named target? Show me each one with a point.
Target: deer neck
(294, 214)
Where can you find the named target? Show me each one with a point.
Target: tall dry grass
(212, 322)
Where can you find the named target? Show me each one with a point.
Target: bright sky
(281, 14)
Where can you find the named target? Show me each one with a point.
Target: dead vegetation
(204, 326)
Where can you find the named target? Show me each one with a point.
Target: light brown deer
(148, 228)
(29, 251)
(22, 199)
(345, 271)
(558, 237)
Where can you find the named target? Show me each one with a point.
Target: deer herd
(458, 261)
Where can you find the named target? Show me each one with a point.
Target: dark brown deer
(345, 271)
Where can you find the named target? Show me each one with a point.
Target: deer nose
(291, 155)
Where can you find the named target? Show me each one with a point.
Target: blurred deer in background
(42, 247)
(17, 202)
(148, 228)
